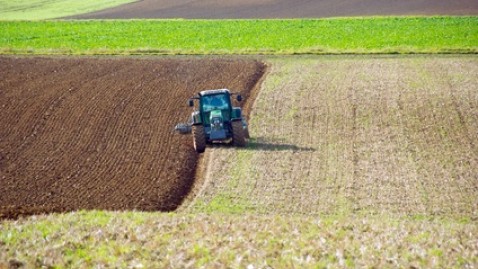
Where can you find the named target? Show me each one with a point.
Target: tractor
(215, 120)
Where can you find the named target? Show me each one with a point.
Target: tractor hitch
(183, 128)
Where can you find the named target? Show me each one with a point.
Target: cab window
(214, 102)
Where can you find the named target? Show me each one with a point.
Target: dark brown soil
(217, 9)
(85, 133)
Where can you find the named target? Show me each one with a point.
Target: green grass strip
(296, 36)
(48, 9)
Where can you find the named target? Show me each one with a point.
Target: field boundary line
(203, 172)
(203, 175)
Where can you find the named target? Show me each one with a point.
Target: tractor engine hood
(218, 131)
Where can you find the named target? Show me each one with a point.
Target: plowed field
(213, 9)
(365, 135)
(84, 133)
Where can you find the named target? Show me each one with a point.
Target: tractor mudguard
(236, 114)
(196, 118)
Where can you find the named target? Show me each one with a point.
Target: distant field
(253, 9)
(346, 35)
(230, 9)
(41, 9)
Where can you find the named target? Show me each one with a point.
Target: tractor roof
(213, 92)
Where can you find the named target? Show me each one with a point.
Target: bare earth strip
(213, 9)
(363, 135)
(97, 133)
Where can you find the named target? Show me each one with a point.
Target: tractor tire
(238, 134)
(199, 138)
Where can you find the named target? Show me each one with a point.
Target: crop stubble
(86, 133)
(335, 135)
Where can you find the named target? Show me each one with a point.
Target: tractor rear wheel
(199, 138)
(238, 134)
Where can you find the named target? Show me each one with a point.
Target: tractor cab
(218, 101)
(216, 111)
(215, 106)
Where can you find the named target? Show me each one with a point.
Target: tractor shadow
(263, 144)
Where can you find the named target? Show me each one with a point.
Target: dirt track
(84, 133)
(214, 9)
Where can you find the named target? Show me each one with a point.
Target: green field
(41, 9)
(309, 36)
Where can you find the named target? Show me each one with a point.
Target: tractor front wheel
(238, 134)
(199, 138)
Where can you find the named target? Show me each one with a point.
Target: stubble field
(355, 135)
(86, 133)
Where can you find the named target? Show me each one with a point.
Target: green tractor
(215, 120)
